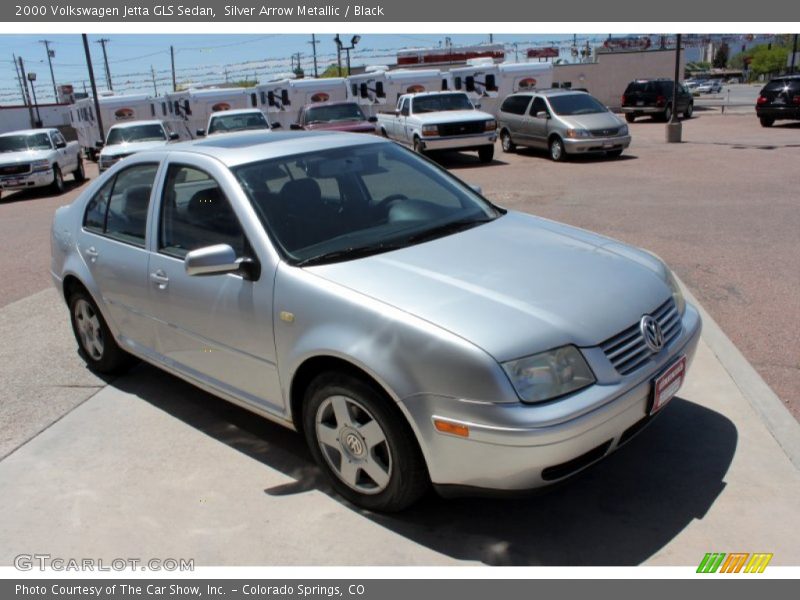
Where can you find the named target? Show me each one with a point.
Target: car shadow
(619, 512)
(575, 158)
(12, 196)
(461, 160)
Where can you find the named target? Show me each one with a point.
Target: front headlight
(38, 166)
(549, 374)
(491, 125)
(677, 294)
(430, 130)
(623, 130)
(578, 133)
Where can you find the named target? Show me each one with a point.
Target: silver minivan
(561, 121)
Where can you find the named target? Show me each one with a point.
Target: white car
(228, 121)
(713, 86)
(125, 139)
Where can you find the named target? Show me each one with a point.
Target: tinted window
(442, 102)
(135, 133)
(538, 105)
(195, 214)
(127, 207)
(95, 217)
(333, 112)
(516, 105)
(237, 122)
(576, 104)
(779, 85)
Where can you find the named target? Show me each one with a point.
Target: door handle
(92, 253)
(160, 279)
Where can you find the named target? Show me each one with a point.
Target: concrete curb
(779, 421)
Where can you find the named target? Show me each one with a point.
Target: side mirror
(218, 260)
(373, 119)
(478, 105)
(295, 127)
(275, 125)
(542, 114)
(201, 132)
(476, 188)
(174, 136)
(99, 144)
(61, 144)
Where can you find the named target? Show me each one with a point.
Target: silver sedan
(415, 333)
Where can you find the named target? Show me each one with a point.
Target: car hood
(131, 148)
(593, 121)
(515, 286)
(10, 158)
(453, 116)
(351, 126)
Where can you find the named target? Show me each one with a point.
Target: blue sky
(209, 58)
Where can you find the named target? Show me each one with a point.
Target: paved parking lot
(149, 466)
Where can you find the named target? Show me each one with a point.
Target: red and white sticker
(667, 384)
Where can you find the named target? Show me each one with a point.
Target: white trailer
(273, 99)
(368, 90)
(377, 90)
(188, 110)
(113, 109)
(488, 84)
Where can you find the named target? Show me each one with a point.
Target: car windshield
(344, 203)
(240, 122)
(333, 113)
(441, 102)
(21, 143)
(576, 104)
(136, 133)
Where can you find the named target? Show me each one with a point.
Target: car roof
(29, 131)
(135, 123)
(786, 78)
(236, 149)
(550, 92)
(336, 103)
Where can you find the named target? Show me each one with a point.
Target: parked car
(125, 139)
(335, 116)
(712, 86)
(564, 122)
(343, 286)
(440, 121)
(653, 97)
(230, 121)
(35, 158)
(779, 100)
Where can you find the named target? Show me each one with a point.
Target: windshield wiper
(348, 254)
(447, 229)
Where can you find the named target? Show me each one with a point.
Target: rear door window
(515, 105)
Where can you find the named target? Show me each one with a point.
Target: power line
(103, 42)
(50, 55)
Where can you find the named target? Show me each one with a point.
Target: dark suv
(653, 97)
(779, 99)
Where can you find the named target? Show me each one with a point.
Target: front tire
(418, 146)
(57, 187)
(557, 151)
(667, 114)
(95, 341)
(767, 121)
(363, 443)
(506, 143)
(687, 114)
(486, 154)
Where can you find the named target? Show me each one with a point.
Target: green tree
(721, 56)
(333, 71)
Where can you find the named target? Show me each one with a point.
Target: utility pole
(153, 73)
(674, 125)
(172, 57)
(794, 54)
(50, 55)
(94, 86)
(314, 43)
(491, 38)
(338, 54)
(19, 81)
(27, 96)
(103, 42)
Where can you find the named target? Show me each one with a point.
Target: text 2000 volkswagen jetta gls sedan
(350, 289)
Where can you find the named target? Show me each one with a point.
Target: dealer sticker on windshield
(667, 384)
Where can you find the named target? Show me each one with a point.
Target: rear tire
(506, 143)
(486, 154)
(363, 443)
(79, 174)
(96, 343)
(687, 114)
(557, 151)
(667, 114)
(630, 117)
(767, 121)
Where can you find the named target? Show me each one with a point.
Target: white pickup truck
(34, 158)
(440, 121)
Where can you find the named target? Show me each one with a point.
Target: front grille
(627, 350)
(464, 128)
(15, 169)
(604, 132)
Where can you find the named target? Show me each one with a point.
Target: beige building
(607, 78)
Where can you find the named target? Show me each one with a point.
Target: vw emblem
(652, 334)
(354, 444)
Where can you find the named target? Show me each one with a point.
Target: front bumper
(516, 446)
(586, 145)
(27, 180)
(463, 142)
